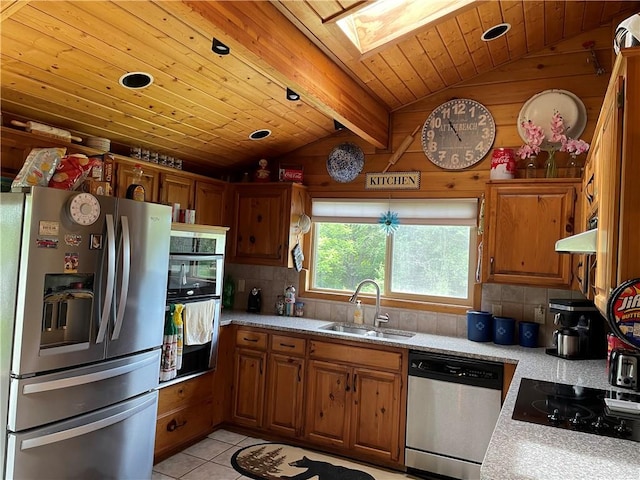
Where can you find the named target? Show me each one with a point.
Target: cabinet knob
(252, 239)
(174, 425)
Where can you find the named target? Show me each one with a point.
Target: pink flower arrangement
(575, 147)
(535, 136)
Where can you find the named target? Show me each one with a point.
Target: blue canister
(479, 326)
(504, 330)
(528, 334)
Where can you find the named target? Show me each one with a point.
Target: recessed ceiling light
(495, 32)
(292, 96)
(259, 134)
(220, 48)
(135, 80)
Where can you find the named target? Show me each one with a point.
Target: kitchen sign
(393, 181)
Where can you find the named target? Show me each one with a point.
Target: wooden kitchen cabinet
(328, 403)
(249, 378)
(523, 221)
(355, 400)
(265, 216)
(285, 385)
(185, 415)
(613, 159)
(125, 175)
(269, 382)
(176, 189)
(210, 202)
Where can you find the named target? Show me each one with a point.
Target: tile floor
(210, 459)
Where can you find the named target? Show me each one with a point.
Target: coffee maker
(582, 330)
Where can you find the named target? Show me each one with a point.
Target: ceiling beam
(259, 33)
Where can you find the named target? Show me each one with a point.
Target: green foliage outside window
(426, 260)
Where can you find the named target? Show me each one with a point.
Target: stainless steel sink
(365, 331)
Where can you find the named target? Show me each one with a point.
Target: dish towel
(198, 322)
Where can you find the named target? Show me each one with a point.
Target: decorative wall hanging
(345, 162)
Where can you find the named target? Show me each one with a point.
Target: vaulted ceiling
(61, 62)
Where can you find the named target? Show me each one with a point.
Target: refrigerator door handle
(84, 429)
(111, 273)
(85, 379)
(126, 270)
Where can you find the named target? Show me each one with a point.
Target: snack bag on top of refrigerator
(39, 166)
(72, 171)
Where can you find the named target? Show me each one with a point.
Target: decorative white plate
(541, 107)
(345, 162)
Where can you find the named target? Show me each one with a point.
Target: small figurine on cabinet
(262, 174)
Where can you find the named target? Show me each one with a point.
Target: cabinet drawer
(183, 425)
(288, 345)
(356, 355)
(251, 339)
(187, 392)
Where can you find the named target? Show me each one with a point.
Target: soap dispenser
(358, 316)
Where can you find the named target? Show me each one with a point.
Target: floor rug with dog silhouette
(278, 461)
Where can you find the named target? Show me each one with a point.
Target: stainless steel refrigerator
(83, 290)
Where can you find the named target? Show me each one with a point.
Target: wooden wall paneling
(554, 21)
(490, 16)
(471, 29)
(593, 12)
(410, 85)
(411, 48)
(534, 24)
(513, 14)
(456, 48)
(504, 92)
(398, 93)
(573, 13)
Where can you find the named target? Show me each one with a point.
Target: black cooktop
(578, 408)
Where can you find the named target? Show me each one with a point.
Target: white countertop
(518, 450)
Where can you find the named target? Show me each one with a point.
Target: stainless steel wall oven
(195, 274)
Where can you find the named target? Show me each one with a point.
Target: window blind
(448, 211)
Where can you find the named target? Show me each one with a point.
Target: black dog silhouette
(326, 471)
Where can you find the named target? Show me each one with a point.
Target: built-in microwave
(196, 261)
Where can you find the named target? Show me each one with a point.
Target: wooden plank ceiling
(61, 62)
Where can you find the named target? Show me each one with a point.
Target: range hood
(584, 242)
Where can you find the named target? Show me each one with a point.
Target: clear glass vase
(531, 168)
(573, 168)
(551, 169)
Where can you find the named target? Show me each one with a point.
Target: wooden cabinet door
(607, 165)
(176, 189)
(375, 419)
(260, 222)
(285, 388)
(328, 404)
(248, 397)
(124, 178)
(209, 203)
(524, 223)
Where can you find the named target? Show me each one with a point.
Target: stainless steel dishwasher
(453, 404)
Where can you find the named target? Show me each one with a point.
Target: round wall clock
(458, 134)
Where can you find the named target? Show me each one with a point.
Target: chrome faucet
(379, 317)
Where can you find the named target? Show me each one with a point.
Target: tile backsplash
(503, 300)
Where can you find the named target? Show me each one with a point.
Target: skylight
(383, 21)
